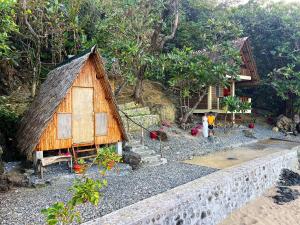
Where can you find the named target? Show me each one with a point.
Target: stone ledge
(209, 199)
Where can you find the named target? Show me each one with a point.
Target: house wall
(86, 78)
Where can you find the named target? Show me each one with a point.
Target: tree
(274, 32)
(191, 73)
(7, 27)
(135, 31)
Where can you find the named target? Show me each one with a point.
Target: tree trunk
(120, 88)
(138, 90)
(158, 41)
(190, 112)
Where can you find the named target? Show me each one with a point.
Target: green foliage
(231, 103)
(84, 190)
(274, 31)
(286, 81)
(7, 27)
(61, 213)
(8, 121)
(235, 104)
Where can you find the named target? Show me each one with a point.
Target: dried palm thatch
(51, 93)
(243, 45)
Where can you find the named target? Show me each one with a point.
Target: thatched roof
(50, 95)
(243, 45)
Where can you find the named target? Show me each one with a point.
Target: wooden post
(119, 147)
(209, 98)
(37, 155)
(233, 94)
(142, 136)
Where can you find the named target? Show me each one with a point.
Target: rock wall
(209, 199)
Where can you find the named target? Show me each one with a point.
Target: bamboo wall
(86, 78)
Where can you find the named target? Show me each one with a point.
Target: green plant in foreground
(84, 190)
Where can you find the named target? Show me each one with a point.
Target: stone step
(137, 111)
(139, 147)
(151, 159)
(161, 162)
(128, 105)
(145, 120)
(145, 153)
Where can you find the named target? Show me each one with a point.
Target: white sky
(244, 1)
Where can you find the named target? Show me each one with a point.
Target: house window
(219, 91)
(64, 125)
(101, 124)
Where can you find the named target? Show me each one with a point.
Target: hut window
(101, 124)
(219, 91)
(64, 125)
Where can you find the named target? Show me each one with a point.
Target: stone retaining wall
(209, 199)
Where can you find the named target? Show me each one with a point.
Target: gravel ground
(181, 145)
(23, 205)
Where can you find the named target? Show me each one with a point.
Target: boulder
(275, 129)
(131, 158)
(14, 179)
(285, 124)
(162, 135)
(298, 127)
(296, 118)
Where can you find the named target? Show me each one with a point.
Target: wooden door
(83, 115)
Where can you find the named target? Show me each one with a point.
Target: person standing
(205, 126)
(211, 121)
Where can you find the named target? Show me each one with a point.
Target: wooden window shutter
(64, 125)
(101, 124)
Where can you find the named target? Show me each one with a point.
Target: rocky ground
(181, 145)
(23, 205)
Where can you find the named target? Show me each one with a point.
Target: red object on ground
(153, 135)
(194, 131)
(77, 168)
(251, 125)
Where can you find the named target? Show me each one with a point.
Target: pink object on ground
(153, 135)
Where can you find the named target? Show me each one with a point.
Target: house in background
(249, 76)
(75, 108)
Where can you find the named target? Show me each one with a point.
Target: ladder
(84, 151)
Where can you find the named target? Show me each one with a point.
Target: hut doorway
(83, 115)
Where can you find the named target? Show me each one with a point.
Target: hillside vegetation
(155, 40)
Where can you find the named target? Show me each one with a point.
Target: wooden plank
(83, 119)
(101, 123)
(64, 125)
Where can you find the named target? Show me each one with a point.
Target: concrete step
(137, 111)
(151, 159)
(161, 162)
(145, 121)
(128, 105)
(145, 153)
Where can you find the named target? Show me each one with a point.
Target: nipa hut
(74, 107)
(248, 77)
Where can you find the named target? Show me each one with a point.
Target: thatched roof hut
(39, 128)
(248, 67)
